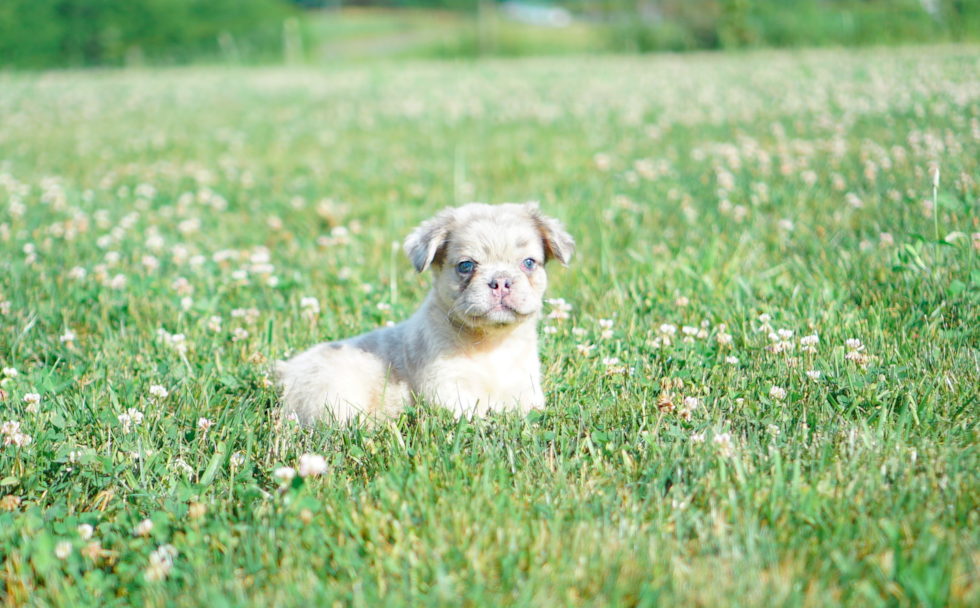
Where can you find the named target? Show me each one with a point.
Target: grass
(703, 190)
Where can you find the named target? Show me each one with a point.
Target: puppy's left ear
(558, 244)
(423, 244)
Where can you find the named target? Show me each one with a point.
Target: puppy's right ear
(424, 242)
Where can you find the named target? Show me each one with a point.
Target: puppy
(471, 347)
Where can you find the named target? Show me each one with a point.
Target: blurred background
(40, 34)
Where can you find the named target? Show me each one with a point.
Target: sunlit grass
(162, 234)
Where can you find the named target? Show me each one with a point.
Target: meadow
(761, 365)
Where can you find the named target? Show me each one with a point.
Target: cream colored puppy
(471, 347)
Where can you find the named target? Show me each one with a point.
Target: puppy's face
(489, 261)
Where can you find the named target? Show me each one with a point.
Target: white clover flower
(584, 349)
(143, 528)
(182, 465)
(855, 352)
(85, 531)
(168, 552)
(182, 286)
(159, 392)
(725, 445)
(204, 424)
(777, 393)
(118, 282)
(62, 550)
(610, 361)
(312, 465)
(602, 161)
(607, 332)
(19, 440)
(238, 334)
(549, 330)
(32, 400)
(731, 360)
(160, 564)
(214, 324)
(68, 336)
(785, 334)
(668, 329)
(687, 408)
(560, 310)
(696, 438)
(154, 242)
(77, 273)
(132, 417)
(773, 430)
(284, 474)
(310, 306)
(10, 428)
(689, 330)
(723, 338)
(10, 372)
(809, 343)
(813, 374)
(237, 459)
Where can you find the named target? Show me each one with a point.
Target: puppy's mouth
(502, 312)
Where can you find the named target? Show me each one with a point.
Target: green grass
(859, 488)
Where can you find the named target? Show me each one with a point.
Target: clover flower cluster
(161, 563)
(130, 418)
(12, 436)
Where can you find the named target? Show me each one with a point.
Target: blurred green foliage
(62, 33)
(57, 33)
(680, 25)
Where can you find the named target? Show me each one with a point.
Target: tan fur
(469, 347)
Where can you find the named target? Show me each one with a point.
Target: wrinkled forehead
(496, 238)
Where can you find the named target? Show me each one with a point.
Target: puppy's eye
(464, 267)
(529, 264)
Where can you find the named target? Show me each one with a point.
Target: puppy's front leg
(460, 402)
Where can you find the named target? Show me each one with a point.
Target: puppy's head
(489, 260)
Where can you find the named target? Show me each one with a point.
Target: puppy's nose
(500, 285)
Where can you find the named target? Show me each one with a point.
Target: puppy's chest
(500, 375)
